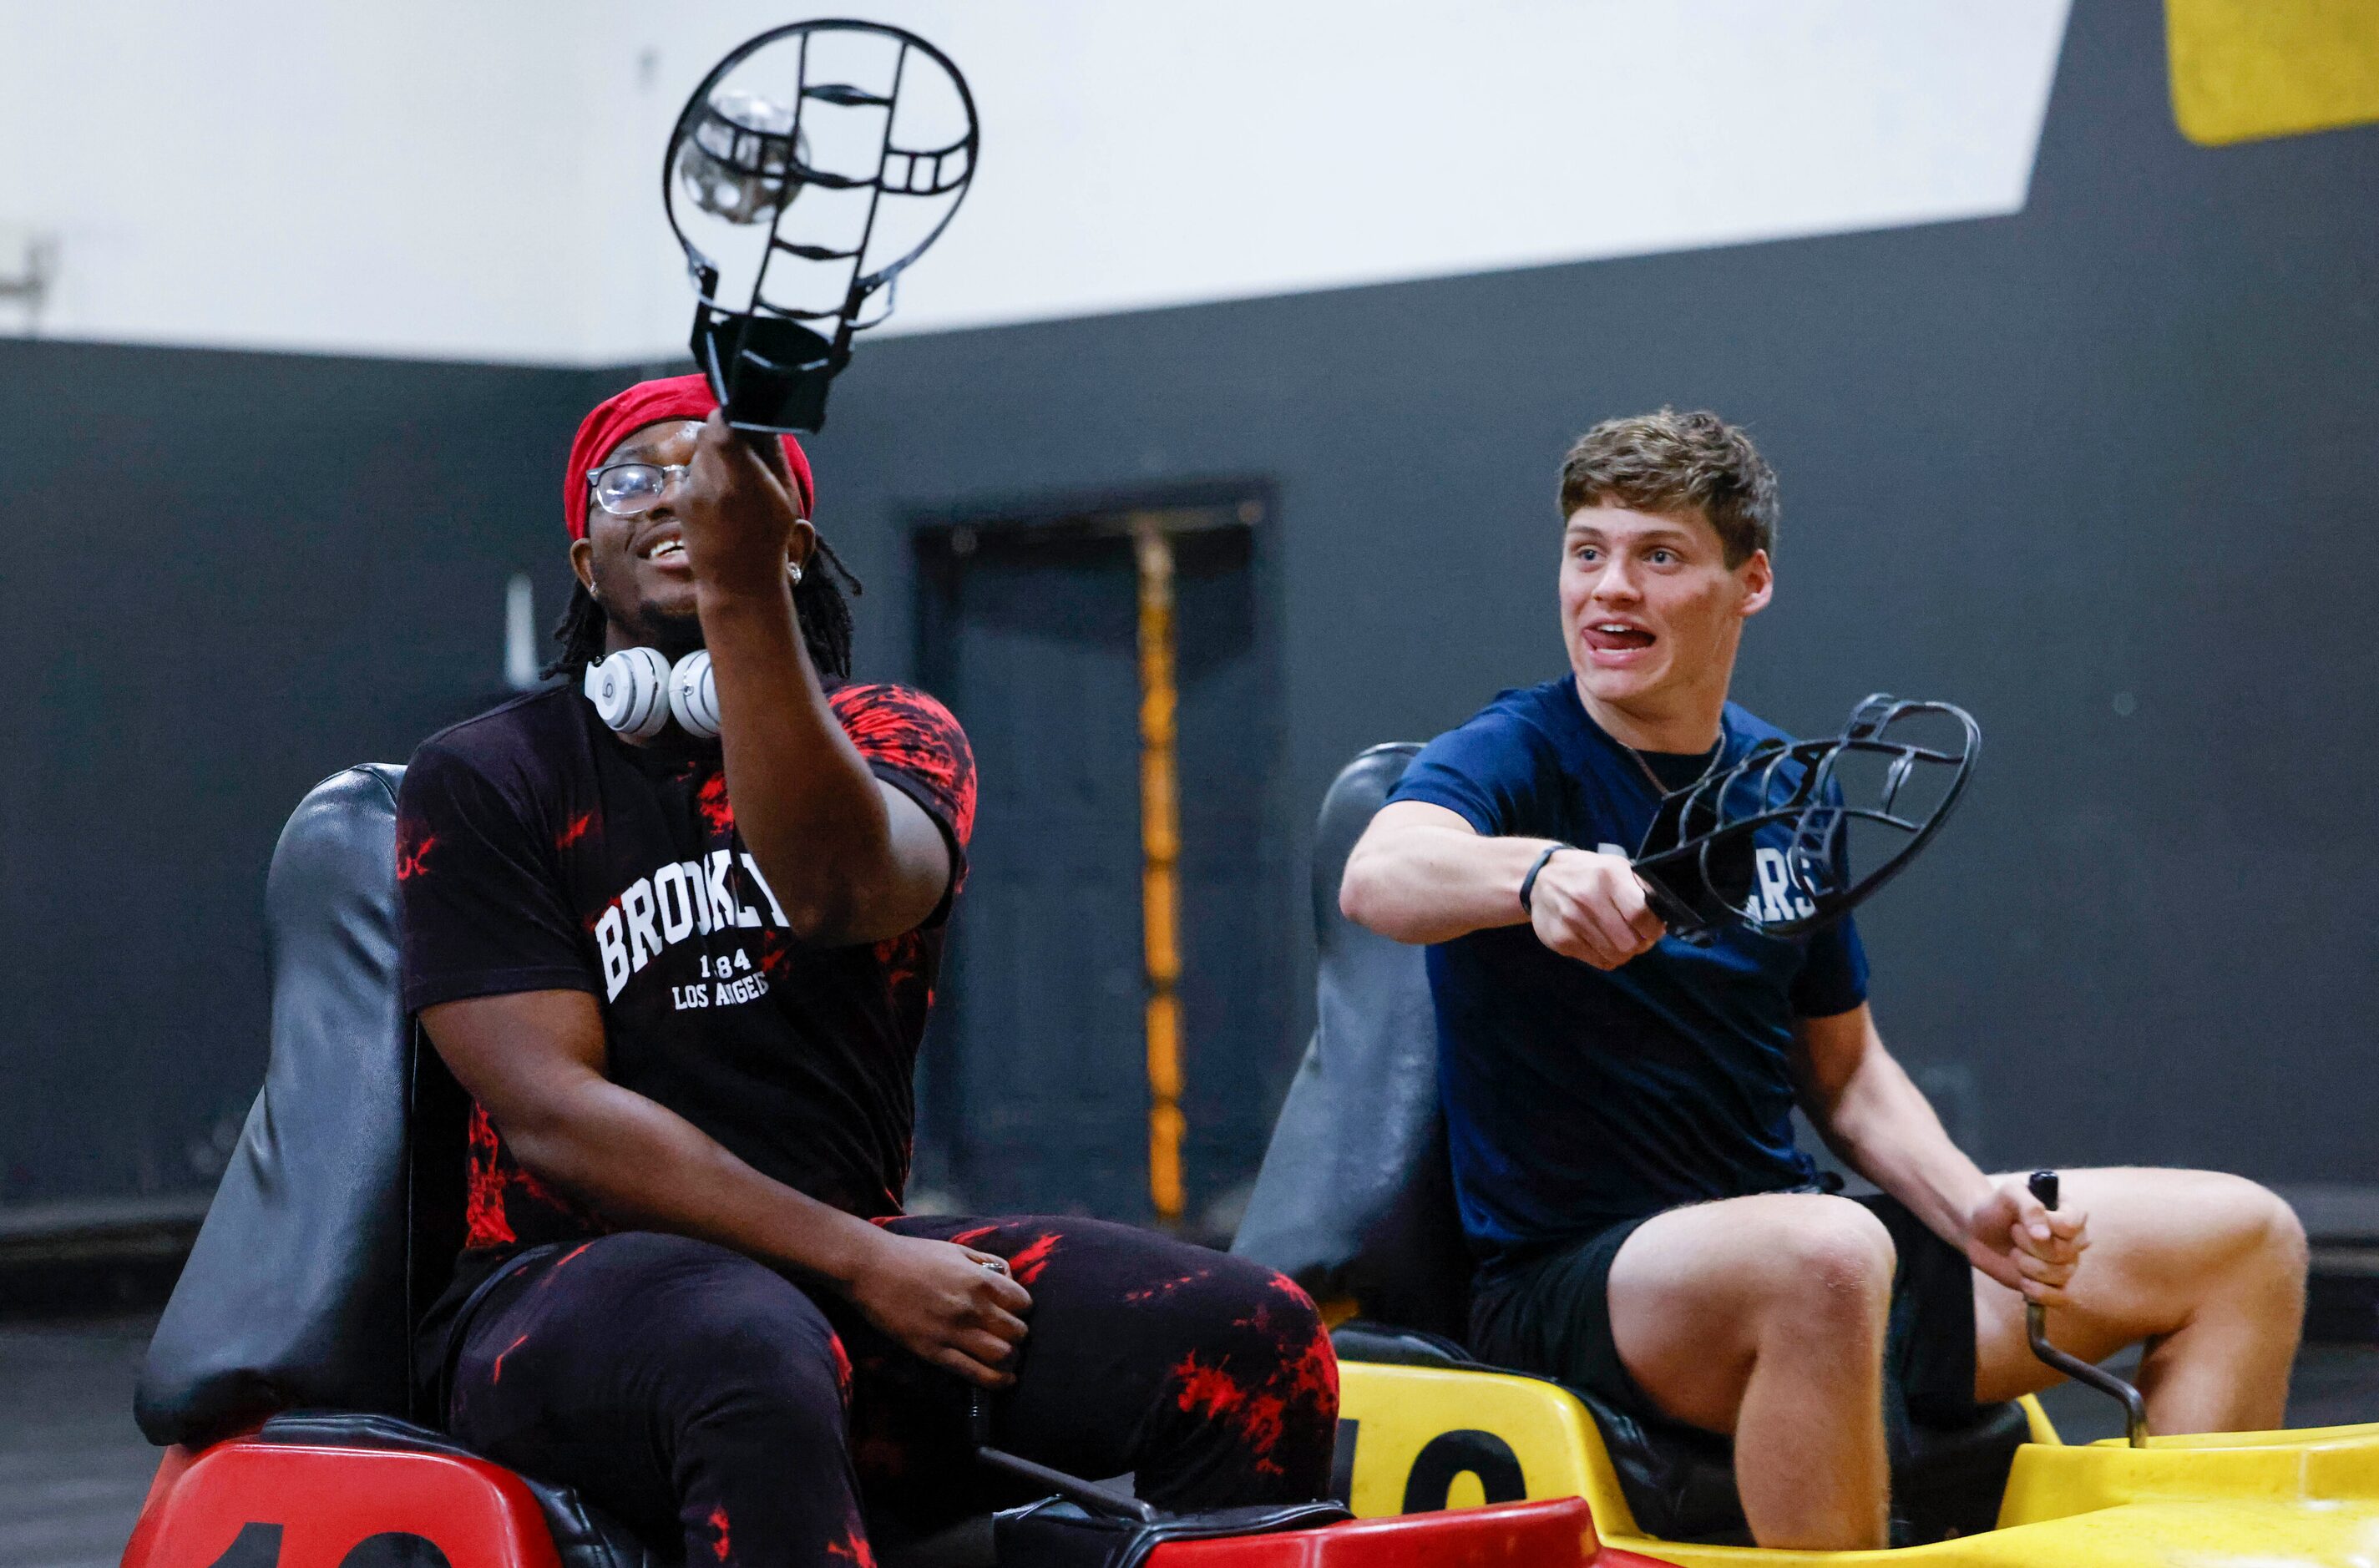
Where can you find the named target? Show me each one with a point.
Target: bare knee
(2215, 1243)
(2259, 1229)
(1831, 1265)
(2283, 1234)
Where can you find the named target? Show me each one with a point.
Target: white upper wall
(446, 179)
(396, 179)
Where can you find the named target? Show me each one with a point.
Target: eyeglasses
(630, 490)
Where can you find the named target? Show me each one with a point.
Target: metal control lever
(2135, 1411)
(1087, 1495)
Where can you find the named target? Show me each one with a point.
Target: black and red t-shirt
(536, 850)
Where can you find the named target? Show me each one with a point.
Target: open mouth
(668, 550)
(1617, 636)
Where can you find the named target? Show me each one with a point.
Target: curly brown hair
(1668, 461)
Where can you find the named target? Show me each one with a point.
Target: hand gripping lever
(2035, 1330)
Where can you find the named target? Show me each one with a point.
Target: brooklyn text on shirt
(686, 898)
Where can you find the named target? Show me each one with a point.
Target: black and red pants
(692, 1392)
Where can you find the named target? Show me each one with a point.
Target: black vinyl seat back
(337, 1220)
(1356, 1199)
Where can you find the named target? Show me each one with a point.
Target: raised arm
(1422, 874)
(851, 859)
(534, 1060)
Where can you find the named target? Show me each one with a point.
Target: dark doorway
(1035, 1094)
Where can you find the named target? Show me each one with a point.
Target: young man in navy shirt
(1619, 1103)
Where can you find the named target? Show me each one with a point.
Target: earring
(793, 570)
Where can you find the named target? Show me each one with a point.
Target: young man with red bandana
(1619, 1102)
(685, 983)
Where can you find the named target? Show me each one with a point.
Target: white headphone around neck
(637, 691)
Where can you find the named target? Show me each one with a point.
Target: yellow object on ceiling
(2243, 70)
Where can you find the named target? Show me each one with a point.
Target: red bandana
(649, 403)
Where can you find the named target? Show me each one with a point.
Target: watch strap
(1529, 882)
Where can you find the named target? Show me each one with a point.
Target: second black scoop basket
(1890, 780)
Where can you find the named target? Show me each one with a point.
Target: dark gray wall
(2125, 442)
(225, 576)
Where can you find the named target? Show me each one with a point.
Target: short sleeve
(480, 907)
(1489, 773)
(916, 745)
(1833, 971)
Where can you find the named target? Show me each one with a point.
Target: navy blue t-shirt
(1577, 1098)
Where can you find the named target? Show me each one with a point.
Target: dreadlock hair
(818, 600)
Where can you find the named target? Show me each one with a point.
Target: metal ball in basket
(809, 169)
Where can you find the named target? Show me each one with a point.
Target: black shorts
(1552, 1315)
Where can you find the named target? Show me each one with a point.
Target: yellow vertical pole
(1160, 850)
